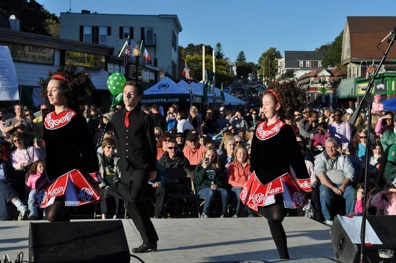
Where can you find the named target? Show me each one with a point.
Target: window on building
(87, 34)
(319, 64)
(307, 64)
(301, 64)
(150, 39)
(102, 35)
(125, 32)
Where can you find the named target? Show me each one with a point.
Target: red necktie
(126, 120)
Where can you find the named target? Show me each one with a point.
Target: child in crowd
(34, 173)
(377, 106)
(386, 199)
(211, 180)
(359, 200)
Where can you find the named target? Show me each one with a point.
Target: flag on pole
(144, 52)
(186, 71)
(128, 53)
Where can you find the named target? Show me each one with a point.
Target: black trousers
(131, 189)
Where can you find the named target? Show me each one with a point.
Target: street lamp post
(136, 54)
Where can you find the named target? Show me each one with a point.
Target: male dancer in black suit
(136, 146)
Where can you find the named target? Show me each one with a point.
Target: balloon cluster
(115, 84)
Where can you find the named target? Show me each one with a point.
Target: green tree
(333, 55)
(33, 17)
(289, 74)
(219, 54)
(241, 58)
(268, 62)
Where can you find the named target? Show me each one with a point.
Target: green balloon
(118, 99)
(115, 83)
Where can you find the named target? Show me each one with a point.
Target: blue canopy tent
(390, 104)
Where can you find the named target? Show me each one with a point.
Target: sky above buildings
(251, 26)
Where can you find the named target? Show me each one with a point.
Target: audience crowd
(214, 146)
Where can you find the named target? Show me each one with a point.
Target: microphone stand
(368, 98)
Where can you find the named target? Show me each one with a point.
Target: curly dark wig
(77, 86)
(290, 97)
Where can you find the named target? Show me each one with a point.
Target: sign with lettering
(31, 54)
(8, 77)
(84, 60)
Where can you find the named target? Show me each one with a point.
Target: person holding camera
(171, 118)
(211, 180)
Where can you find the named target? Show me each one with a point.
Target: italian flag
(144, 52)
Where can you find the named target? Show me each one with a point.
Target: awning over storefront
(99, 79)
(346, 89)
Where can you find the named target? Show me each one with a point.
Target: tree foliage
(192, 54)
(268, 63)
(333, 55)
(219, 54)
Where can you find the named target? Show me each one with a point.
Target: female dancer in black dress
(271, 187)
(72, 164)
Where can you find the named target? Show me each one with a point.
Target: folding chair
(181, 193)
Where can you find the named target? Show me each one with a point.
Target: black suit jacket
(136, 144)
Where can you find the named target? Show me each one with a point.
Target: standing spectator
(171, 118)
(341, 130)
(20, 124)
(237, 121)
(377, 106)
(297, 116)
(221, 121)
(336, 173)
(2, 122)
(195, 120)
(209, 123)
(159, 120)
(135, 141)
(182, 123)
(92, 124)
(38, 122)
(254, 119)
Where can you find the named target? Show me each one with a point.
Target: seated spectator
(336, 173)
(210, 124)
(226, 136)
(161, 144)
(157, 189)
(239, 140)
(173, 158)
(387, 172)
(227, 157)
(254, 119)
(211, 180)
(383, 123)
(386, 199)
(158, 132)
(388, 136)
(375, 157)
(238, 173)
(359, 200)
(8, 194)
(193, 151)
(109, 171)
(318, 140)
(22, 158)
(34, 173)
(180, 140)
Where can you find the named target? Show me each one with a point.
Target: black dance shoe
(145, 247)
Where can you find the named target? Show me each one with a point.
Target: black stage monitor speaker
(83, 241)
(347, 252)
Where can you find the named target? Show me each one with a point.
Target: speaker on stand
(85, 241)
(347, 251)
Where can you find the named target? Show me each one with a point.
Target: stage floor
(203, 240)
